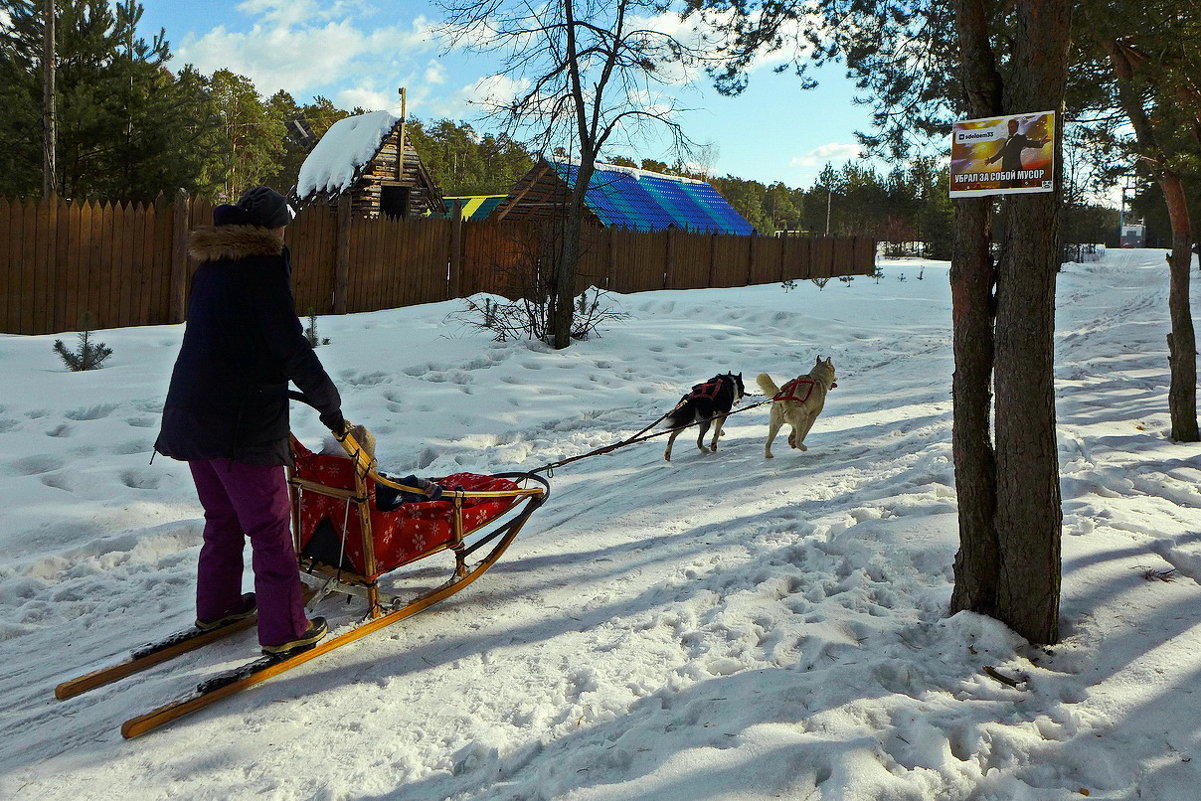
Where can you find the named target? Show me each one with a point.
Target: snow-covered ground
(718, 627)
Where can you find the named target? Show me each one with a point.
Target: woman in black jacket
(226, 414)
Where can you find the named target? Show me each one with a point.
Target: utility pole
(1122, 215)
(829, 203)
(50, 132)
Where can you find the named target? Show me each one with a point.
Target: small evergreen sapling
(310, 333)
(87, 355)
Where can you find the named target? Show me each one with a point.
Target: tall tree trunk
(49, 114)
(569, 258)
(563, 288)
(1182, 341)
(1028, 503)
(1029, 514)
(972, 280)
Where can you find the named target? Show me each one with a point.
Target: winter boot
(317, 629)
(247, 609)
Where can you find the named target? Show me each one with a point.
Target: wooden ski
(149, 655)
(233, 681)
(155, 653)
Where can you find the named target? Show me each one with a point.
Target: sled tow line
(639, 437)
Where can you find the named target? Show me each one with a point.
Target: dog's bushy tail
(767, 385)
(682, 415)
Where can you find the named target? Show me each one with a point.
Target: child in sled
(387, 499)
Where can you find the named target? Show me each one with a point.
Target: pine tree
(253, 134)
(464, 162)
(88, 355)
(127, 127)
(924, 64)
(20, 101)
(1148, 56)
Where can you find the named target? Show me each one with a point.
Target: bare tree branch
(588, 70)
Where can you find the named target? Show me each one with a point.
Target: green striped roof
(474, 207)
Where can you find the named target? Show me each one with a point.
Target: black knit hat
(259, 205)
(265, 207)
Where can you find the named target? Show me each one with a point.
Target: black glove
(334, 421)
(432, 491)
(388, 499)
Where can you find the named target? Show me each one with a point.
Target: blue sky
(359, 52)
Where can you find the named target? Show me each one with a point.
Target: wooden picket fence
(68, 265)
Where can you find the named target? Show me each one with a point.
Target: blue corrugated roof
(647, 201)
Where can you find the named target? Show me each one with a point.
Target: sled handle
(367, 463)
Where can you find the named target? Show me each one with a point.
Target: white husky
(798, 402)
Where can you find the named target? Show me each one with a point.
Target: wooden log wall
(384, 169)
(127, 265)
(424, 196)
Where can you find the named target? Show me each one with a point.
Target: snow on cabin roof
(336, 160)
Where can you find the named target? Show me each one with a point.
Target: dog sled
(346, 543)
(343, 536)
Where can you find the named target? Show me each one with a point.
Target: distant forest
(130, 129)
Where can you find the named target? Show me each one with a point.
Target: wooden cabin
(624, 197)
(369, 157)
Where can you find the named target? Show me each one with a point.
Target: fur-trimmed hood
(211, 243)
(242, 345)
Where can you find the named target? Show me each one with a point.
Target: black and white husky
(706, 404)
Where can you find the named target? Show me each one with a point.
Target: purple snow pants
(253, 500)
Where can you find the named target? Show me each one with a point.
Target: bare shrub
(527, 308)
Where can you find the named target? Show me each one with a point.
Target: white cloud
(435, 73)
(418, 38)
(282, 12)
(832, 152)
(277, 58)
(369, 99)
(306, 47)
(492, 90)
(711, 29)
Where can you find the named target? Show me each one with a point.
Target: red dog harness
(707, 390)
(789, 391)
